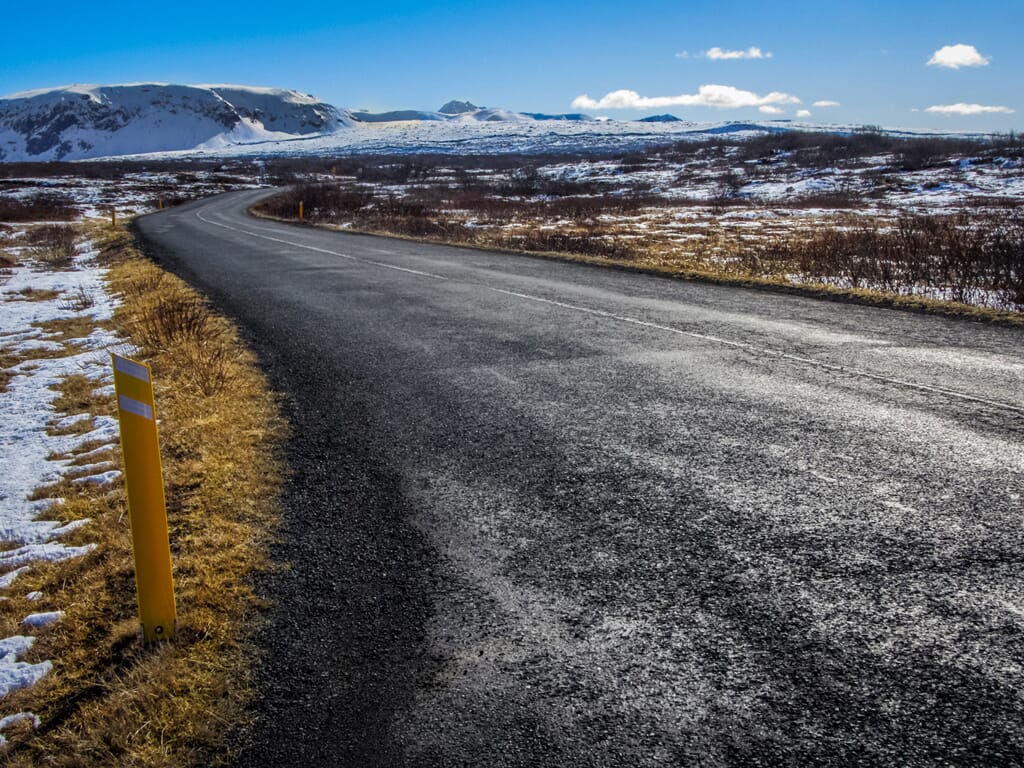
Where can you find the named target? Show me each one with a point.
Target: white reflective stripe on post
(131, 405)
(131, 368)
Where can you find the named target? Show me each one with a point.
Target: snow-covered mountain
(464, 111)
(158, 120)
(84, 121)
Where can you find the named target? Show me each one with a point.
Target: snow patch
(27, 419)
(14, 673)
(42, 620)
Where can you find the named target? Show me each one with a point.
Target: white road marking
(758, 350)
(766, 351)
(321, 250)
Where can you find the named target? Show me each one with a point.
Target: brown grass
(77, 394)
(54, 245)
(36, 294)
(69, 328)
(110, 700)
(9, 359)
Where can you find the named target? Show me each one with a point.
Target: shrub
(973, 259)
(42, 206)
(54, 244)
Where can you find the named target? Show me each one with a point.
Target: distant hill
(458, 108)
(660, 119)
(84, 121)
(572, 117)
(396, 116)
(465, 111)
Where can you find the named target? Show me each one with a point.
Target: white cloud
(968, 109)
(753, 52)
(768, 109)
(720, 96)
(826, 103)
(956, 56)
(803, 113)
(683, 55)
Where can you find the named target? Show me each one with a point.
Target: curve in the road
(547, 514)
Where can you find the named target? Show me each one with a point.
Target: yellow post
(334, 170)
(147, 511)
(113, 217)
(300, 210)
(160, 202)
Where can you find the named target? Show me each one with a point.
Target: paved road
(551, 515)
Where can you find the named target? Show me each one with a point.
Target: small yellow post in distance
(147, 510)
(300, 210)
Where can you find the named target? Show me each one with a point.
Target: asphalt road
(550, 515)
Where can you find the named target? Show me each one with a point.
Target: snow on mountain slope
(465, 111)
(152, 119)
(84, 121)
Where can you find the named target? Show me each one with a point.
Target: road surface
(544, 514)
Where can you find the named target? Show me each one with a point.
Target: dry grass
(7, 361)
(69, 328)
(54, 245)
(110, 700)
(77, 394)
(36, 294)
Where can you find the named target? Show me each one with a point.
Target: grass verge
(109, 700)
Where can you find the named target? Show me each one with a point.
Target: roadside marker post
(113, 217)
(300, 210)
(147, 510)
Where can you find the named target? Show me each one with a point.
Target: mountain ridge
(85, 121)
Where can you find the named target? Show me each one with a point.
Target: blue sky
(868, 60)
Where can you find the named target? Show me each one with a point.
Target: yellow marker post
(300, 210)
(113, 217)
(147, 511)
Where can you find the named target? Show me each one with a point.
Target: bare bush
(78, 300)
(173, 319)
(208, 364)
(144, 282)
(42, 206)
(54, 244)
(586, 243)
(972, 259)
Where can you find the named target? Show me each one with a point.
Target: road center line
(381, 264)
(766, 351)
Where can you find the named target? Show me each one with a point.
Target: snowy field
(502, 137)
(33, 298)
